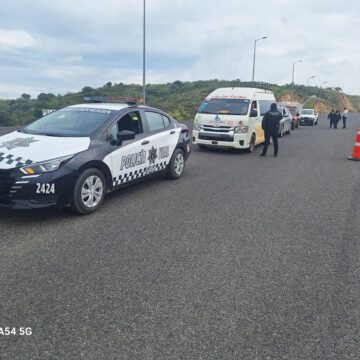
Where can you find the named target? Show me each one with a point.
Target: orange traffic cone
(356, 151)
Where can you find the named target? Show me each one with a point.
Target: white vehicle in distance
(231, 118)
(285, 122)
(308, 116)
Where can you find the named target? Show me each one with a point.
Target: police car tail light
(45, 166)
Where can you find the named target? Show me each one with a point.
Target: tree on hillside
(25, 96)
(45, 97)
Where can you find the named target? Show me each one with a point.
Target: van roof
(240, 93)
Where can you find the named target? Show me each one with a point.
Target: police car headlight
(197, 127)
(241, 129)
(45, 166)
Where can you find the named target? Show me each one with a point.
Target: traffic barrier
(356, 151)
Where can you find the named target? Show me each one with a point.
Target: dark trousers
(331, 123)
(274, 135)
(335, 123)
(344, 122)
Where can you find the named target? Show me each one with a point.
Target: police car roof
(107, 106)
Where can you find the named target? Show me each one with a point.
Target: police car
(74, 156)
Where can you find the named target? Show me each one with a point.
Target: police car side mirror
(253, 113)
(124, 135)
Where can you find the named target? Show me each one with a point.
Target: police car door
(128, 160)
(163, 139)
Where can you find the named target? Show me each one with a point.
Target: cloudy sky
(59, 46)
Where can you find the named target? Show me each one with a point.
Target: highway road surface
(243, 258)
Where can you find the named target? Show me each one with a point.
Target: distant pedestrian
(270, 125)
(344, 117)
(337, 118)
(331, 118)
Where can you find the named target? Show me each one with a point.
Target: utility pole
(293, 71)
(144, 53)
(254, 58)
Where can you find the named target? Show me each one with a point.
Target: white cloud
(16, 39)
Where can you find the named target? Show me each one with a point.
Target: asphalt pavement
(244, 257)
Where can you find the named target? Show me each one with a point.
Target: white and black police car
(74, 156)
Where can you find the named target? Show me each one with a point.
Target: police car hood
(19, 149)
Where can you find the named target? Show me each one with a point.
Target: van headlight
(241, 129)
(45, 166)
(197, 127)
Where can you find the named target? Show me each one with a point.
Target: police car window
(131, 121)
(77, 122)
(166, 121)
(155, 121)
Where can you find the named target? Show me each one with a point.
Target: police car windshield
(307, 112)
(72, 121)
(225, 106)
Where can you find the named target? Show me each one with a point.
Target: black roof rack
(113, 99)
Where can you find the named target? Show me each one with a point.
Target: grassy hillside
(180, 99)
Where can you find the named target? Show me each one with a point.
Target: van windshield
(225, 106)
(307, 112)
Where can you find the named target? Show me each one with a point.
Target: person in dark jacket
(337, 118)
(270, 125)
(331, 118)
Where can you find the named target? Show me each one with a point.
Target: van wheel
(177, 165)
(89, 192)
(251, 147)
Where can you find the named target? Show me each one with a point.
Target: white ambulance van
(231, 118)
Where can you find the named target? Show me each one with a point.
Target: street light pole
(144, 57)
(307, 84)
(323, 83)
(253, 71)
(293, 70)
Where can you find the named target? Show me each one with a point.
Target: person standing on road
(337, 118)
(344, 117)
(331, 118)
(270, 125)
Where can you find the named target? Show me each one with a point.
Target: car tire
(89, 192)
(176, 166)
(251, 147)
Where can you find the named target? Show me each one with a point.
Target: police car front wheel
(89, 192)
(177, 165)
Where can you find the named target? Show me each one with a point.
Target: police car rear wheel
(177, 165)
(89, 192)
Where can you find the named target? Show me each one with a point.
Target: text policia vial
(75, 156)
